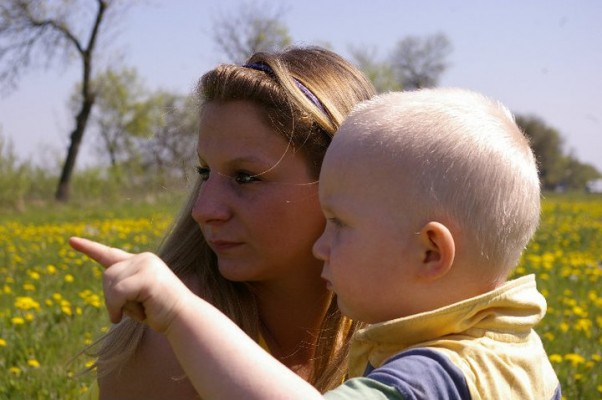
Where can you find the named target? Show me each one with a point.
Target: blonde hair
(308, 127)
(469, 163)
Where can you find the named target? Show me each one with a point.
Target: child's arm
(220, 360)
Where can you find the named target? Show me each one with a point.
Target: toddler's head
(444, 187)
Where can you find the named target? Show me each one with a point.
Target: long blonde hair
(278, 88)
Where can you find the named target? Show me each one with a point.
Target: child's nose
(320, 247)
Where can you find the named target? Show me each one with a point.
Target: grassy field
(51, 303)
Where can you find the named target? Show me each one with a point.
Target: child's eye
(244, 178)
(203, 172)
(334, 222)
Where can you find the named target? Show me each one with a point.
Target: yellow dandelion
(32, 362)
(2, 342)
(564, 327)
(66, 309)
(585, 326)
(69, 278)
(50, 269)
(26, 303)
(555, 358)
(17, 321)
(574, 358)
(29, 287)
(15, 371)
(596, 357)
(33, 275)
(579, 311)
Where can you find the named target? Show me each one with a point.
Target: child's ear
(438, 250)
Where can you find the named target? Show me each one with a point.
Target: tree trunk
(63, 190)
(88, 98)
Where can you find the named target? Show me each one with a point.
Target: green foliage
(556, 170)
(14, 176)
(415, 62)
(380, 73)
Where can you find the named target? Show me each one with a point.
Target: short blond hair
(468, 161)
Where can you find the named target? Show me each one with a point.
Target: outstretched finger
(104, 255)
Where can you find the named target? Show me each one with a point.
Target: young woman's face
(258, 206)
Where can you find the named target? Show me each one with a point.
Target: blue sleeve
(410, 375)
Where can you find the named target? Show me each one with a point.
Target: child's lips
(328, 284)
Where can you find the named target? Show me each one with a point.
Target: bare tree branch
(32, 28)
(419, 62)
(256, 27)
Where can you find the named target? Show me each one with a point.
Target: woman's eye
(203, 172)
(243, 178)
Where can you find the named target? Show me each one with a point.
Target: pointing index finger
(104, 255)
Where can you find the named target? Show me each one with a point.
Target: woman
(243, 241)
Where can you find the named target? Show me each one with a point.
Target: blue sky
(538, 57)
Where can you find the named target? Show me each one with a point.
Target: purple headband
(310, 96)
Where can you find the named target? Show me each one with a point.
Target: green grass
(51, 303)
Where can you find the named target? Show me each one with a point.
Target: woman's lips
(223, 245)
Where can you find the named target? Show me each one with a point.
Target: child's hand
(141, 285)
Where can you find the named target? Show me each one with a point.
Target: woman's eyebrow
(251, 160)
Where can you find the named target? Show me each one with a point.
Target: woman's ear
(438, 250)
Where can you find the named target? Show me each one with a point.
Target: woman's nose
(211, 205)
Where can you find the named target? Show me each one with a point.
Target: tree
(577, 174)
(38, 29)
(546, 143)
(171, 146)
(121, 112)
(556, 170)
(256, 27)
(381, 74)
(419, 62)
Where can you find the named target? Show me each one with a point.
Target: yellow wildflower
(33, 275)
(32, 362)
(26, 303)
(555, 358)
(29, 287)
(574, 358)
